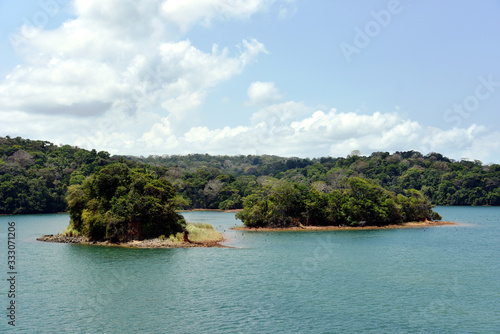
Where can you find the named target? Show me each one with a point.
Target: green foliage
(361, 202)
(70, 231)
(278, 203)
(177, 238)
(36, 177)
(368, 203)
(77, 202)
(119, 203)
(442, 180)
(198, 232)
(202, 232)
(77, 177)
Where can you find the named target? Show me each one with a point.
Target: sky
(292, 78)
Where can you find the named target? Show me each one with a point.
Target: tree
(370, 204)
(362, 202)
(254, 211)
(119, 204)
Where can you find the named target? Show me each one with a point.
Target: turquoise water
(438, 280)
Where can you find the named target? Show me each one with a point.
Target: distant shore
(65, 212)
(148, 243)
(214, 210)
(424, 224)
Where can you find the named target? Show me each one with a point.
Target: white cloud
(287, 9)
(122, 77)
(186, 73)
(119, 76)
(294, 129)
(263, 93)
(121, 54)
(71, 87)
(334, 133)
(187, 13)
(485, 148)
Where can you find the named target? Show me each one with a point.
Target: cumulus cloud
(120, 75)
(123, 77)
(122, 54)
(194, 72)
(187, 13)
(263, 93)
(485, 148)
(318, 133)
(293, 129)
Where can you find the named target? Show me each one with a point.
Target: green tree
(119, 203)
(362, 202)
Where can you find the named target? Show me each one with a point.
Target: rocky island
(128, 207)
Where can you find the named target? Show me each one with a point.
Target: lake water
(435, 280)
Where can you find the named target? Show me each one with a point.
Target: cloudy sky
(287, 77)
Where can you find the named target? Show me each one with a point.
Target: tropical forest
(41, 177)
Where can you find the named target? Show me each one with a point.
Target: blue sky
(286, 77)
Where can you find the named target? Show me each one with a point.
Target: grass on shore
(198, 232)
(71, 232)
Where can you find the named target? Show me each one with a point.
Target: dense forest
(35, 175)
(442, 180)
(362, 202)
(119, 203)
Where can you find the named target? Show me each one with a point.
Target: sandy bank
(150, 243)
(213, 210)
(423, 224)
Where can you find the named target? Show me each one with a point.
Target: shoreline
(212, 210)
(64, 212)
(423, 224)
(146, 244)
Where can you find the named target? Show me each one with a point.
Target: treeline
(361, 202)
(444, 181)
(35, 175)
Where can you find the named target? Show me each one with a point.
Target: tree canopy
(444, 181)
(119, 203)
(35, 175)
(360, 202)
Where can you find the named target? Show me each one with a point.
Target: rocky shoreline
(149, 243)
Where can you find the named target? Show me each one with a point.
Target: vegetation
(198, 233)
(361, 202)
(119, 204)
(36, 176)
(206, 181)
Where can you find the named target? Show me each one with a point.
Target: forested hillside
(444, 181)
(35, 175)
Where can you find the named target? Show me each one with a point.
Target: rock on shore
(150, 243)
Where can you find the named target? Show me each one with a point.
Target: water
(435, 280)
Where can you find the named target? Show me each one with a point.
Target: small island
(310, 228)
(120, 206)
(134, 207)
(358, 204)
